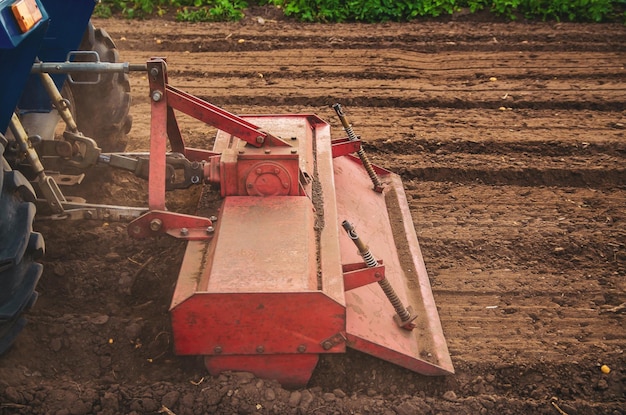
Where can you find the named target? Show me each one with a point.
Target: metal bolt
(260, 139)
(260, 349)
(259, 171)
(156, 96)
(155, 225)
(184, 231)
(89, 214)
(268, 151)
(327, 345)
(213, 218)
(210, 229)
(301, 348)
(217, 349)
(294, 151)
(154, 72)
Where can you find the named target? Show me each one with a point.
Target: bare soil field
(511, 142)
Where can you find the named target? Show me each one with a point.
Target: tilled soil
(510, 140)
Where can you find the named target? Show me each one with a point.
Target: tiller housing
(311, 249)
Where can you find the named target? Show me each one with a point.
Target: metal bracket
(359, 274)
(178, 225)
(344, 146)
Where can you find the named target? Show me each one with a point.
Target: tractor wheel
(20, 248)
(101, 105)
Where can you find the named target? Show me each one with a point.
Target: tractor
(300, 246)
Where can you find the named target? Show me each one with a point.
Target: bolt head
(184, 231)
(156, 96)
(156, 224)
(260, 349)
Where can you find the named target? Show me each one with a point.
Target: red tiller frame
(274, 283)
(163, 128)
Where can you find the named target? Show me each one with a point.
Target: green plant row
(185, 10)
(370, 11)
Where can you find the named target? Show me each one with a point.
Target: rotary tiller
(307, 249)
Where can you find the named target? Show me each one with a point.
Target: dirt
(511, 142)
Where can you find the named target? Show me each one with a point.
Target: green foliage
(363, 10)
(212, 11)
(368, 11)
(186, 10)
(573, 10)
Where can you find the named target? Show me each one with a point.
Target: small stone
(243, 377)
(99, 319)
(294, 398)
(270, 395)
(414, 406)
(450, 396)
(212, 396)
(59, 270)
(329, 397)
(339, 393)
(307, 399)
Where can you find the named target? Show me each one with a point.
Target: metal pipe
(61, 104)
(90, 67)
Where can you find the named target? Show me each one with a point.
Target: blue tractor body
(59, 31)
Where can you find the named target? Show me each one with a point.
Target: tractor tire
(101, 106)
(20, 248)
